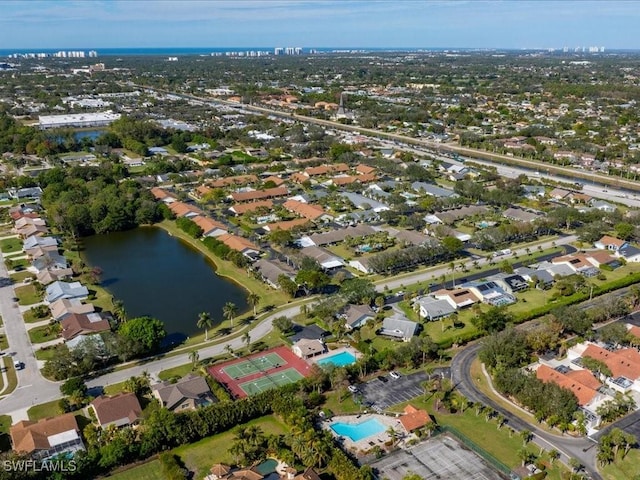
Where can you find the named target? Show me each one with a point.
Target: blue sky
(98, 24)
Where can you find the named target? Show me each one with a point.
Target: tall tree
(229, 311)
(205, 322)
(254, 301)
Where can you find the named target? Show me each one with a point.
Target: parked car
(353, 388)
(18, 365)
(383, 379)
(395, 375)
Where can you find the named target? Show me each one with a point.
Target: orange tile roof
(621, 364)
(287, 224)
(635, 331)
(583, 393)
(234, 242)
(28, 436)
(180, 209)
(325, 169)
(277, 180)
(585, 377)
(242, 208)
(364, 169)
(459, 295)
(601, 257)
(414, 418)
(160, 193)
(237, 180)
(299, 177)
(202, 190)
(207, 224)
(259, 194)
(609, 240)
(306, 210)
(578, 260)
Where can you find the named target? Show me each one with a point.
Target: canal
(158, 275)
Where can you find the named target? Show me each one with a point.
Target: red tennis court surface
(258, 366)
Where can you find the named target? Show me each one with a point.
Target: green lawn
(4, 343)
(341, 405)
(11, 245)
(179, 371)
(30, 317)
(623, 469)
(200, 456)
(5, 442)
(12, 377)
(18, 263)
(5, 423)
(147, 471)
(44, 333)
(20, 276)
(47, 353)
(44, 410)
(114, 388)
(28, 295)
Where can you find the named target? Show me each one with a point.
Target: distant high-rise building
(278, 51)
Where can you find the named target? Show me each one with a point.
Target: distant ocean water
(175, 51)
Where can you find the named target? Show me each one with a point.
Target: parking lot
(381, 395)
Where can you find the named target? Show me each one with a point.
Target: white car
(395, 375)
(353, 388)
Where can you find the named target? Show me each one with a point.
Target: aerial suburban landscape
(305, 263)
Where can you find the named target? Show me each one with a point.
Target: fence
(490, 459)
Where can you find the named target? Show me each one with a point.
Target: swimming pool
(358, 431)
(339, 359)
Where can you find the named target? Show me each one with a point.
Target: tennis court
(260, 371)
(251, 366)
(282, 377)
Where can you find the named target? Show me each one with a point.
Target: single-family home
(490, 292)
(629, 252)
(76, 324)
(336, 236)
(602, 205)
(414, 418)
(163, 195)
(271, 270)
(240, 244)
(325, 258)
(47, 276)
(433, 190)
(364, 203)
(120, 410)
(181, 209)
(559, 193)
(47, 437)
(362, 264)
(457, 298)
(188, 393)
(63, 307)
(608, 242)
(69, 290)
(398, 326)
(308, 348)
(356, 316)
(50, 260)
(306, 210)
(42, 242)
(521, 215)
(28, 192)
(431, 308)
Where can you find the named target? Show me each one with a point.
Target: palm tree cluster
(249, 444)
(611, 443)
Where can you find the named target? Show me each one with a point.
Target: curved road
(581, 448)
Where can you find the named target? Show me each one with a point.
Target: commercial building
(78, 120)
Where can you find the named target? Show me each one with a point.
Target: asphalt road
(581, 448)
(32, 386)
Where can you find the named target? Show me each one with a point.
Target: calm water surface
(156, 274)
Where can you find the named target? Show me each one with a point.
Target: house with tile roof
(287, 225)
(307, 210)
(188, 393)
(181, 209)
(585, 394)
(624, 364)
(63, 307)
(457, 298)
(307, 348)
(608, 242)
(253, 195)
(120, 410)
(47, 437)
(242, 208)
(240, 244)
(270, 271)
(69, 290)
(210, 227)
(414, 418)
(162, 195)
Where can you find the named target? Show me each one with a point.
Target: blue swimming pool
(339, 359)
(358, 431)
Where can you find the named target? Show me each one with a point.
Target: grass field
(200, 456)
(20, 276)
(12, 377)
(46, 353)
(28, 295)
(11, 245)
(623, 469)
(30, 317)
(179, 371)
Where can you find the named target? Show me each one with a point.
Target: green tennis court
(276, 379)
(254, 365)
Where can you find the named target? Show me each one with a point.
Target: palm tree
(254, 300)
(205, 321)
(229, 311)
(194, 356)
(246, 338)
(553, 455)
(228, 348)
(526, 437)
(119, 310)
